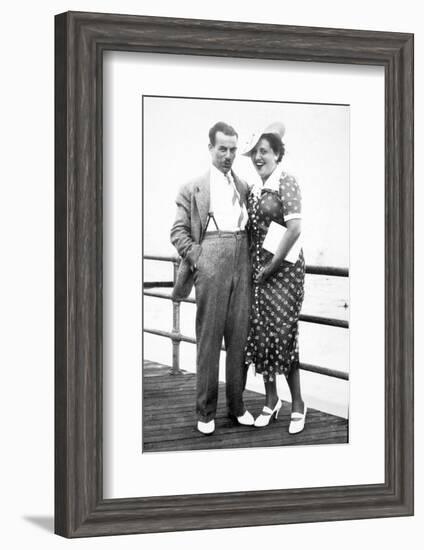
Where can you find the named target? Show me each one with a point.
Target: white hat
(276, 128)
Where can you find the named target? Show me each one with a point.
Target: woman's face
(264, 158)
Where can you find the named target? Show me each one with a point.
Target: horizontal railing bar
(166, 296)
(327, 270)
(173, 336)
(304, 366)
(328, 321)
(325, 371)
(158, 284)
(310, 269)
(162, 258)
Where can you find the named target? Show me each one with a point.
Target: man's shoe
(246, 419)
(206, 428)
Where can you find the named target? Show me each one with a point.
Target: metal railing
(177, 337)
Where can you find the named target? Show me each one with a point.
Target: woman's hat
(276, 128)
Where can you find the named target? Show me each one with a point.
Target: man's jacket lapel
(240, 188)
(203, 198)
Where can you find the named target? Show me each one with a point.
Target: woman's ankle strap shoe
(297, 422)
(267, 415)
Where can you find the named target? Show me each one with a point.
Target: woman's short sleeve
(290, 195)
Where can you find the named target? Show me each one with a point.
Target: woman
(272, 344)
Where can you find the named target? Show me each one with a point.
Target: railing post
(175, 330)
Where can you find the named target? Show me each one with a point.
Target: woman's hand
(263, 275)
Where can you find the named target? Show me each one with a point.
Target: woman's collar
(273, 180)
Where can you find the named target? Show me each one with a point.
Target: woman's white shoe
(267, 415)
(297, 422)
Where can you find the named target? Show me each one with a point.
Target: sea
(326, 346)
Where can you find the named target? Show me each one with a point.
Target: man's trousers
(223, 286)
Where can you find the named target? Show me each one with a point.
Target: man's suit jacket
(193, 206)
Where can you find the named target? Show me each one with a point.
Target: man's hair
(221, 127)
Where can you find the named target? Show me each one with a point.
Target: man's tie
(235, 199)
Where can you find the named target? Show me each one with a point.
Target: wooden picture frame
(80, 40)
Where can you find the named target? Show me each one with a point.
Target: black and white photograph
(245, 273)
(211, 262)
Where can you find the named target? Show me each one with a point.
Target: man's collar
(218, 174)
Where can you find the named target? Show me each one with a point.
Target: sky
(175, 132)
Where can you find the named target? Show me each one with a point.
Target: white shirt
(221, 203)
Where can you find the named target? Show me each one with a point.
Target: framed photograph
(323, 334)
(305, 135)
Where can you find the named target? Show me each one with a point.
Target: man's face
(223, 152)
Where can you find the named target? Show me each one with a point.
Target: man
(209, 235)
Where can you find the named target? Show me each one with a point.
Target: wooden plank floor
(169, 420)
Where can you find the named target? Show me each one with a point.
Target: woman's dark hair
(276, 144)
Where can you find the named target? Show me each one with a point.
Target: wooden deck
(169, 420)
